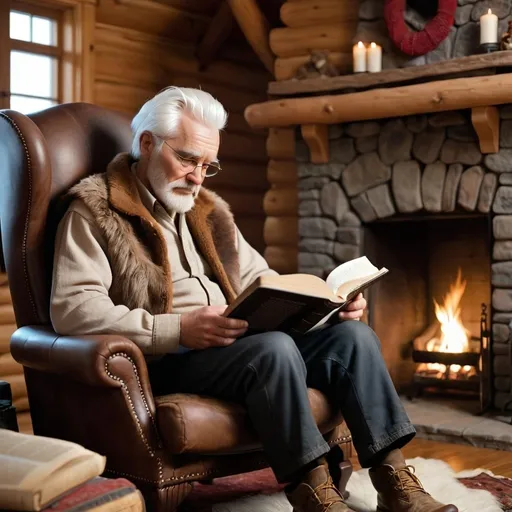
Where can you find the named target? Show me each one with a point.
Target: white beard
(163, 190)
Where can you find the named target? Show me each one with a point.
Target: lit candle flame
(360, 44)
(373, 45)
(489, 11)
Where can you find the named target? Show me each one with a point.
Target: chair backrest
(41, 156)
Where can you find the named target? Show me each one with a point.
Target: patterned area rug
(476, 490)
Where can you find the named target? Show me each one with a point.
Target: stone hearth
(458, 421)
(418, 167)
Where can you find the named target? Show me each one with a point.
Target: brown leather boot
(317, 493)
(399, 490)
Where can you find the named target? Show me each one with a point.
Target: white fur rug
(437, 477)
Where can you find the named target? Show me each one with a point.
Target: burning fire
(453, 336)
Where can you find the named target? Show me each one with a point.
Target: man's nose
(196, 177)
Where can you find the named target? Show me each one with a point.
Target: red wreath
(426, 40)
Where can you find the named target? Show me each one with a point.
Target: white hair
(161, 114)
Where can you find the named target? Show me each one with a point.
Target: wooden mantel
(437, 96)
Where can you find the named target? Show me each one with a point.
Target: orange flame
(454, 336)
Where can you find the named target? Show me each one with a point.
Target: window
(35, 58)
(46, 53)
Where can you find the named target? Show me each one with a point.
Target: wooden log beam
(251, 228)
(154, 18)
(18, 386)
(439, 96)
(291, 42)
(305, 13)
(6, 314)
(281, 231)
(282, 259)
(282, 173)
(281, 202)
(8, 366)
(216, 35)
(5, 295)
(235, 146)
(238, 124)
(242, 203)
(316, 137)
(285, 68)
(21, 404)
(255, 27)
(125, 48)
(6, 331)
(240, 175)
(486, 121)
(281, 144)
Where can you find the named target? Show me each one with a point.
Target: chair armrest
(90, 359)
(93, 390)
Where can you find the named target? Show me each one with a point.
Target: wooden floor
(459, 457)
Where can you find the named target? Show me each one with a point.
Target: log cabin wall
(318, 25)
(10, 370)
(141, 47)
(309, 26)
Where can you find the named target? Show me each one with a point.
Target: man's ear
(146, 144)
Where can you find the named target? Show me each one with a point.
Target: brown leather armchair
(94, 390)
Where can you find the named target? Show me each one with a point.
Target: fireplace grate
(478, 384)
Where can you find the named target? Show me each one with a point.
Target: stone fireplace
(416, 194)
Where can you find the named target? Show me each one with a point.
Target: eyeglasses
(190, 164)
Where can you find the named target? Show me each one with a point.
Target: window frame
(75, 46)
(56, 52)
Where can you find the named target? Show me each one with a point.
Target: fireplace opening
(431, 312)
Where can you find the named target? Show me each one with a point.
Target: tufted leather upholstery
(95, 390)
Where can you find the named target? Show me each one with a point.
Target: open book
(299, 303)
(34, 470)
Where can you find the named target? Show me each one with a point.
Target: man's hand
(206, 327)
(355, 309)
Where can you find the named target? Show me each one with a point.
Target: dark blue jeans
(270, 373)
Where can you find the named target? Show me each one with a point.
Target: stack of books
(40, 473)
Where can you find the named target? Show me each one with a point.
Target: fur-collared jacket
(136, 248)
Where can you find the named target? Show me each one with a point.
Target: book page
(325, 319)
(34, 454)
(14, 470)
(299, 283)
(353, 269)
(350, 288)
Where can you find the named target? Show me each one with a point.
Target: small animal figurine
(317, 66)
(506, 38)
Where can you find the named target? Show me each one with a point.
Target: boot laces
(328, 500)
(408, 481)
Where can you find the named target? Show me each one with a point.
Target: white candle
(374, 58)
(359, 57)
(488, 28)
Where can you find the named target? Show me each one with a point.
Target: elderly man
(146, 252)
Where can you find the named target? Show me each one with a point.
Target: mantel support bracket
(486, 122)
(317, 139)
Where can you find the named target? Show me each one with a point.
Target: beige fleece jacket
(80, 303)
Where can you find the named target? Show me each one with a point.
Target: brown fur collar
(136, 246)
